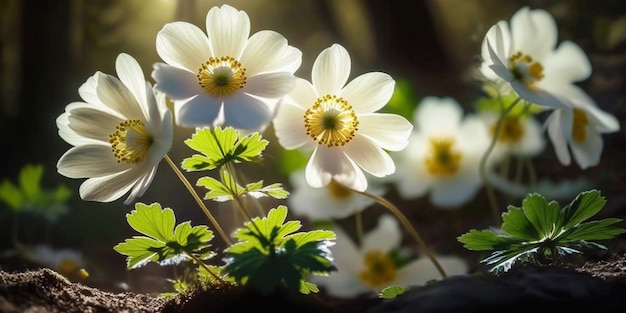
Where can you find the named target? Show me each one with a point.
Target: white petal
(388, 131)
(369, 92)
(385, 237)
(267, 51)
(88, 90)
(65, 132)
(141, 186)
(588, 152)
(540, 97)
(340, 284)
(545, 39)
(438, 115)
(423, 270)
(228, 30)
(116, 96)
(603, 121)
(270, 85)
(303, 94)
(560, 124)
(176, 83)
(327, 163)
(289, 127)
(93, 123)
(568, 63)
(245, 112)
(451, 193)
(107, 188)
(523, 31)
(89, 161)
(131, 74)
(199, 111)
(183, 45)
(345, 253)
(331, 70)
(369, 156)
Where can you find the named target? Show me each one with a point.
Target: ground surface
(597, 285)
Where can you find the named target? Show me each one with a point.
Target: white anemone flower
(523, 56)
(120, 134)
(443, 155)
(370, 267)
(224, 77)
(64, 261)
(520, 135)
(338, 122)
(331, 202)
(581, 128)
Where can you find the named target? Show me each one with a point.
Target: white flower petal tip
(213, 76)
(340, 122)
(120, 134)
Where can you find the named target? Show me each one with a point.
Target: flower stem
(194, 194)
(483, 162)
(405, 222)
(206, 268)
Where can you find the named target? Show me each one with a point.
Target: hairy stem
(194, 194)
(483, 163)
(412, 231)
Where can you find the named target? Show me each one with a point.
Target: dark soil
(598, 286)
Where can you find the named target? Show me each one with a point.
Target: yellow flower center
(331, 121)
(221, 77)
(511, 130)
(67, 267)
(337, 190)
(525, 69)
(130, 142)
(442, 158)
(379, 271)
(579, 129)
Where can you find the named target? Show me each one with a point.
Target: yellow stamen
(443, 159)
(221, 76)
(579, 129)
(337, 190)
(511, 131)
(379, 271)
(130, 142)
(331, 121)
(525, 69)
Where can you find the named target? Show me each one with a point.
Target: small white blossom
(340, 124)
(370, 267)
(443, 154)
(224, 77)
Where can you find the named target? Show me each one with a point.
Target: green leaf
(221, 146)
(486, 240)
(12, 196)
(217, 190)
(586, 205)
(269, 253)
(30, 180)
(594, 230)
(153, 222)
(275, 190)
(391, 292)
(515, 224)
(541, 214)
(163, 243)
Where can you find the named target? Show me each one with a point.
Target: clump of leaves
(29, 196)
(164, 241)
(269, 254)
(540, 231)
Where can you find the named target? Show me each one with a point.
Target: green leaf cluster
(29, 196)
(540, 231)
(269, 254)
(225, 189)
(164, 241)
(219, 147)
